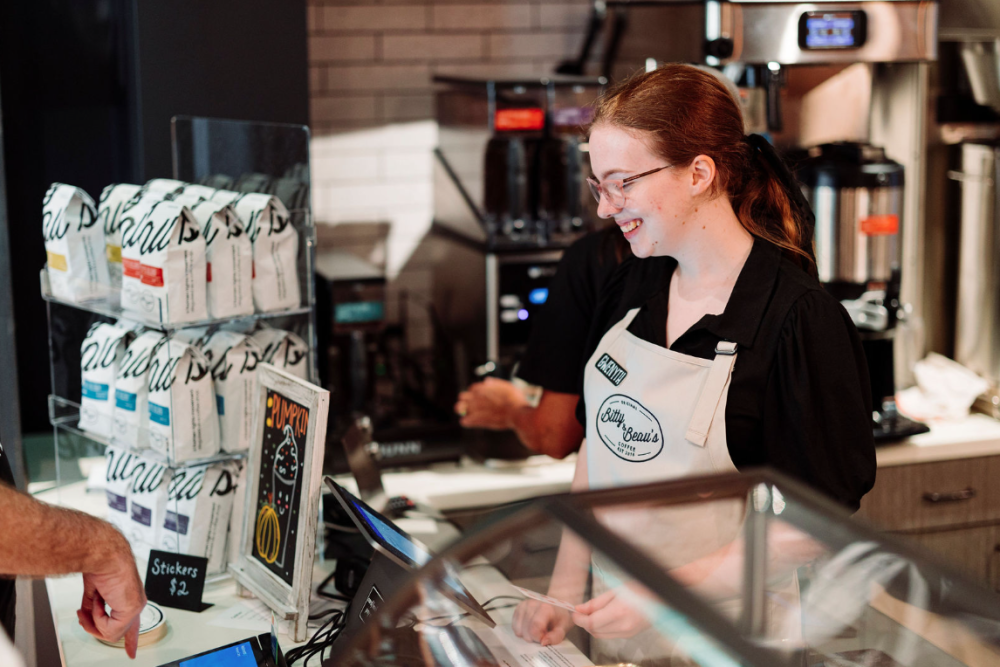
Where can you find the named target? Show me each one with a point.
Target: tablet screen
(393, 538)
(238, 655)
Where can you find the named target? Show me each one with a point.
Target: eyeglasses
(614, 191)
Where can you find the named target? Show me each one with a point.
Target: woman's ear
(703, 174)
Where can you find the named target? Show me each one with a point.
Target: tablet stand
(383, 577)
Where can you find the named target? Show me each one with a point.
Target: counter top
(976, 435)
(446, 487)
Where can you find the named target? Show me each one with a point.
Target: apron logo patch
(628, 429)
(611, 369)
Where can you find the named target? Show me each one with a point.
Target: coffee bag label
(167, 284)
(133, 231)
(233, 358)
(109, 210)
(131, 392)
(229, 260)
(74, 245)
(147, 505)
(275, 251)
(183, 422)
(226, 196)
(284, 350)
(199, 507)
(101, 354)
(122, 465)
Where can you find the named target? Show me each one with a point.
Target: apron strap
(711, 393)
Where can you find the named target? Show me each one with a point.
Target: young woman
(716, 349)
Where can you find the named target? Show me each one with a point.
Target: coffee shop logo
(628, 429)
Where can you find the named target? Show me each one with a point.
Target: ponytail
(770, 204)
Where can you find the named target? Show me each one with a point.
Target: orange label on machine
(880, 225)
(519, 119)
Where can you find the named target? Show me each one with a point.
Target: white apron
(654, 414)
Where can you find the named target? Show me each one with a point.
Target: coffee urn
(857, 195)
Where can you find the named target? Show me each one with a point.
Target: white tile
(345, 166)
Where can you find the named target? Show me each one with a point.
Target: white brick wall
(371, 102)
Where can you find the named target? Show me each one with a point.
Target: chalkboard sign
(279, 490)
(284, 471)
(176, 580)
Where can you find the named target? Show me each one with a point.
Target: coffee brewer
(856, 193)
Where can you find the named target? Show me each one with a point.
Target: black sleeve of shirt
(556, 346)
(816, 416)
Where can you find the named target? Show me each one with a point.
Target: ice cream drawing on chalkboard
(278, 496)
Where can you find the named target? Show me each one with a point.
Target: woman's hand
(490, 404)
(609, 616)
(541, 623)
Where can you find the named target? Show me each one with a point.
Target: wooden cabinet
(951, 508)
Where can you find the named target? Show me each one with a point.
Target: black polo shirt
(557, 344)
(799, 400)
(7, 596)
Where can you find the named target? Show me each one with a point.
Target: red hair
(687, 112)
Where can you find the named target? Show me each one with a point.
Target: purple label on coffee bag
(116, 502)
(142, 515)
(177, 523)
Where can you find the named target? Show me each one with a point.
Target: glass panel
(732, 570)
(244, 156)
(526, 579)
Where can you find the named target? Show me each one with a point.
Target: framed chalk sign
(282, 494)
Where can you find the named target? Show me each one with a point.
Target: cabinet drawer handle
(967, 493)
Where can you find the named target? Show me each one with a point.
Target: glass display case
(749, 569)
(172, 469)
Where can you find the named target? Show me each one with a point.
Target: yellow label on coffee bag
(56, 261)
(114, 253)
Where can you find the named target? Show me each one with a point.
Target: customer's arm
(551, 428)
(41, 540)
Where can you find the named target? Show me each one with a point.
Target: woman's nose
(605, 209)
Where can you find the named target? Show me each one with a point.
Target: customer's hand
(611, 616)
(541, 623)
(489, 404)
(115, 583)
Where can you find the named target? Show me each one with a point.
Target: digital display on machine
(832, 30)
(539, 296)
(238, 655)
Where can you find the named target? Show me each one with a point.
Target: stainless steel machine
(856, 193)
(510, 178)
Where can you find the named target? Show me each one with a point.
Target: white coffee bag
(199, 506)
(121, 467)
(101, 353)
(131, 392)
(109, 210)
(183, 422)
(233, 358)
(167, 187)
(170, 287)
(275, 251)
(229, 257)
(203, 191)
(226, 197)
(74, 245)
(284, 350)
(147, 506)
